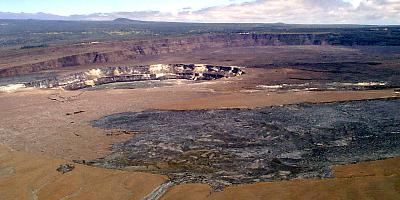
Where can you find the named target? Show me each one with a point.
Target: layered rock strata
(131, 50)
(106, 75)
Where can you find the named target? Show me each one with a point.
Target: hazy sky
(287, 11)
(69, 7)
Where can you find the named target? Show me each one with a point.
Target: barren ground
(43, 121)
(371, 180)
(46, 128)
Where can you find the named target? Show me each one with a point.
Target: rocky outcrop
(106, 75)
(131, 50)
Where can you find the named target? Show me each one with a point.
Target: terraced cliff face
(132, 50)
(106, 75)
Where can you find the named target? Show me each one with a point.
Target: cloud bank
(271, 11)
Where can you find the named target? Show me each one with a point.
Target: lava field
(233, 146)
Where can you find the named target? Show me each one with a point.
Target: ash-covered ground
(232, 146)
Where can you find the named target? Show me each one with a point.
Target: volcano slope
(299, 108)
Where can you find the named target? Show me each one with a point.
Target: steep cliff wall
(135, 49)
(106, 75)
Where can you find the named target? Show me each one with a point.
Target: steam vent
(107, 75)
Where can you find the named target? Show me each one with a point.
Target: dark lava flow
(232, 146)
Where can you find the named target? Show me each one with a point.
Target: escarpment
(106, 75)
(131, 50)
(67, 61)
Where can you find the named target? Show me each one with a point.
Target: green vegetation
(34, 46)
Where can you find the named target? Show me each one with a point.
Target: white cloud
(300, 11)
(270, 11)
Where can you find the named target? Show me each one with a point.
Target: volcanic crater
(107, 75)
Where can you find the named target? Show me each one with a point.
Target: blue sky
(68, 7)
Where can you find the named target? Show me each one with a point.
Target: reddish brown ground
(34, 177)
